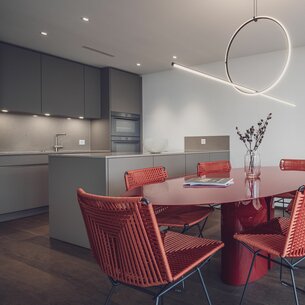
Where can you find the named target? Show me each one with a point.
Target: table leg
(236, 259)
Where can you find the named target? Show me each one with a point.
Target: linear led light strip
(225, 82)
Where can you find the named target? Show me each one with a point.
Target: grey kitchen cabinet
(20, 79)
(122, 91)
(62, 87)
(23, 187)
(174, 164)
(191, 161)
(215, 156)
(92, 78)
(116, 168)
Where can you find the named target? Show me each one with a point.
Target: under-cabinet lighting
(47, 114)
(68, 118)
(35, 115)
(81, 117)
(4, 110)
(225, 82)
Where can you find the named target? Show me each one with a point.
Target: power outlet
(203, 141)
(81, 142)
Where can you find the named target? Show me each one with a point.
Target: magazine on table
(203, 181)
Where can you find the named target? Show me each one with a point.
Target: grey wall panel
(62, 87)
(100, 135)
(192, 144)
(125, 92)
(65, 176)
(219, 156)
(174, 164)
(20, 79)
(118, 166)
(26, 133)
(23, 187)
(92, 92)
(23, 160)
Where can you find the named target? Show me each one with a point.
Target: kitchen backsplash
(203, 143)
(28, 133)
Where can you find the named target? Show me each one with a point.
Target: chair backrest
(295, 241)
(140, 177)
(213, 167)
(125, 239)
(292, 164)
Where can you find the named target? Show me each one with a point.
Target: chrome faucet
(57, 146)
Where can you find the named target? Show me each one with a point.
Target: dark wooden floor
(36, 270)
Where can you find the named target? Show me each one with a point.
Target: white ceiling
(145, 31)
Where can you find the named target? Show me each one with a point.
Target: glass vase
(252, 164)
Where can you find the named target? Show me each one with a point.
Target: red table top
(272, 181)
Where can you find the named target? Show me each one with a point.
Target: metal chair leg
(162, 300)
(204, 286)
(202, 227)
(109, 295)
(294, 287)
(248, 277)
(157, 300)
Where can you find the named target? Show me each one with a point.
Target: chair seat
(287, 195)
(269, 236)
(185, 252)
(180, 216)
(278, 225)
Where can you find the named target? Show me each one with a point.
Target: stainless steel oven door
(125, 144)
(125, 124)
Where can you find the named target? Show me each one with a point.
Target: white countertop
(50, 152)
(110, 155)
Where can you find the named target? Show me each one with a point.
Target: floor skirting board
(24, 213)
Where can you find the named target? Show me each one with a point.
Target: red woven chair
(204, 168)
(286, 165)
(129, 247)
(183, 217)
(281, 237)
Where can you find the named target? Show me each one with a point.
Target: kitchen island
(103, 174)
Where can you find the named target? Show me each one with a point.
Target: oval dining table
(244, 204)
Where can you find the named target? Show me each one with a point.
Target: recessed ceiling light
(4, 110)
(81, 117)
(47, 114)
(35, 115)
(138, 64)
(86, 19)
(174, 57)
(44, 33)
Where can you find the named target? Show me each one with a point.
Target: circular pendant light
(253, 92)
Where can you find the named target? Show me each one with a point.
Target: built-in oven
(125, 144)
(125, 124)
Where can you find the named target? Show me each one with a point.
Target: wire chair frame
(288, 246)
(128, 246)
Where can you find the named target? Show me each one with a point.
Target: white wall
(178, 104)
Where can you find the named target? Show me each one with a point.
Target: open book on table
(203, 181)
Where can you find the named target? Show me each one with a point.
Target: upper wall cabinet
(122, 91)
(20, 79)
(92, 92)
(62, 87)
